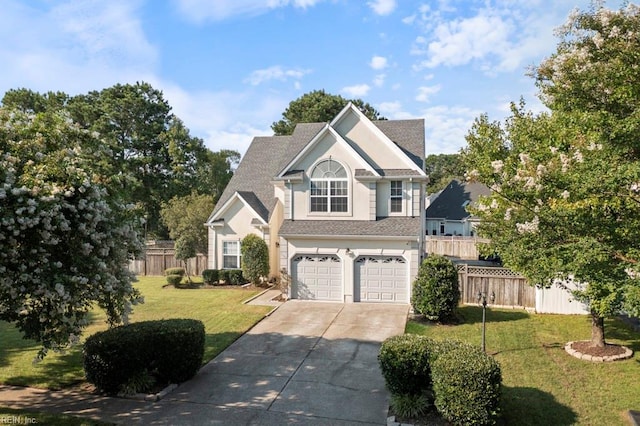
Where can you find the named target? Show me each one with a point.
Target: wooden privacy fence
(156, 260)
(460, 247)
(510, 288)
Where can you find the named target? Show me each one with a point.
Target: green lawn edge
(542, 384)
(222, 311)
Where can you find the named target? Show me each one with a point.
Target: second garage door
(317, 277)
(381, 279)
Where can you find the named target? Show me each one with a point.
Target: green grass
(542, 384)
(221, 310)
(24, 417)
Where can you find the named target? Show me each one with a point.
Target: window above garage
(329, 191)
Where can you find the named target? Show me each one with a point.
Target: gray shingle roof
(387, 226)
(268, 155)
(408, 135)
(450, 204)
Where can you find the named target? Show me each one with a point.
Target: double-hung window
(396, 196)
(231, 254)
(329, 188)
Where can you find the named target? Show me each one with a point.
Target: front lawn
(542, 384)
(221, 310)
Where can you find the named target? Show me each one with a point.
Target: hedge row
(463, 381)
(170, 350)
(229, 276)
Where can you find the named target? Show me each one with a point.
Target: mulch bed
(608, 350)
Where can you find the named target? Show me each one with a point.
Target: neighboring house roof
(452, 202)
(387, 226)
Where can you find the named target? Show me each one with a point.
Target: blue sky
(229, 68)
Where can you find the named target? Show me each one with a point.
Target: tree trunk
(597, 330)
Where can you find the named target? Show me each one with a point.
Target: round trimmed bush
(435, 291)
(175, 271)
(405, 364)
(466, 385)
(174, 279)
(171, 350)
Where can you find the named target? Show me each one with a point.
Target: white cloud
(382, 7)
(461, 41)
(224, 119)
(378, 63)
(500, 36)
(425, 92)
(275, 73)
(73, 47)
(379, 79)
(446, 128)
(217, 10)
(394, 111)
(356, 91)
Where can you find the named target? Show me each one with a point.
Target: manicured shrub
(435, 291)
(174, 279)
(170, 350)
(225, 275)
(236, 277)
(466, 385)
(175, 271)
(255, 258)
(210, 276)
(405, 364)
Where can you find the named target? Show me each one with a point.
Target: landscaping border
(628, 353)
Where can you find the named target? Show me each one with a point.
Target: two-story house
(340, 205)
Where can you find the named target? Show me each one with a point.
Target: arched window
(329, 187)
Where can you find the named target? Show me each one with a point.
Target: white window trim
(402, 198)
(238, 255)
(347, 179)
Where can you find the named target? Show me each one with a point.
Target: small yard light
(482, 298)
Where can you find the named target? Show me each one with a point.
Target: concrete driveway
(307, 363)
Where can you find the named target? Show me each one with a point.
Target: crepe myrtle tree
(566, 183)
(65, 234)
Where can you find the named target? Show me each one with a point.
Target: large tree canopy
(566, 184)
(149, 149)
(316, 107)
(65, 230)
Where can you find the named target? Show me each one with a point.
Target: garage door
(317, 277)
(381, 279)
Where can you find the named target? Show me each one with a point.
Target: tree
(185, 218)
(149, 150)
(255, 258)
(66, 233)
(28, 101)
(317, 107)
(442, 168)
(566, 184)
(214, 172)
(435, 290)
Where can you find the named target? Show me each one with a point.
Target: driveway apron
(306, 363)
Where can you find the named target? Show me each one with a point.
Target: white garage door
(382, 279)
(317, 277)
